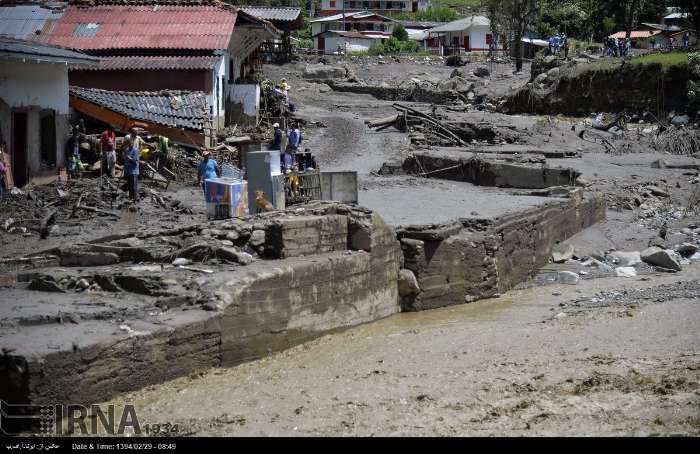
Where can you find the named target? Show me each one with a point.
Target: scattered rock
(82, 283)
(181, 261)
(408, 284)
(562, 252)
(679, 120)
(625, 271)
(481, 71)
(687, 249)
(234, 255)
(257, 238)
(625, 259)
(73, 257)
(45, 284)
(567, 277)
(660, 257)
(657, 191)
(324, 88)
(659, 164)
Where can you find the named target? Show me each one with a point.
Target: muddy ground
(522, 364)
(537, 361)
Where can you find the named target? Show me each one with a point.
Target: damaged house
(198, 46)
(34, 108)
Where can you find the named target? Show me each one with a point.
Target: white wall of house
(477, 37)
(353, 44)
(246, 97)
(34, 84)
(371, 5)
(319, 27)
(34, 89)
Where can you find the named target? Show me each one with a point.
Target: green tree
(513, 18)
(400, 33)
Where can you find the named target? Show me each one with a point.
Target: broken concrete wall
(345, 277)
(487, 172)
(466, 261)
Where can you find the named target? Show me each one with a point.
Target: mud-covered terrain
(525, 363)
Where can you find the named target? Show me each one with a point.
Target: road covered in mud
(525, 363)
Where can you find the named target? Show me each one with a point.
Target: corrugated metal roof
(356, 16)
(26, 21)
(146, 27)
(178, 109)
(23, 49)
(462, 24)
(159, 63)
(272, 13)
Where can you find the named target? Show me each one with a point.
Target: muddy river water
(513, 365)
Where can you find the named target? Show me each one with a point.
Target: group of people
(557, 43)
(617, 47)
(287, 152)
(131, 146)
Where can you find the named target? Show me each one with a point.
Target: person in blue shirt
(131, 168)
(208, 169)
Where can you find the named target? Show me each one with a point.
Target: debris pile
(678, 140)
(648, 198)
(42, 209)
(434, 130)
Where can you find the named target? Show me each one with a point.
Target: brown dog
(261, 203)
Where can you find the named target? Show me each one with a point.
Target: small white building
(352, 31)
(470, 34)
(34, 111)
(334, 41)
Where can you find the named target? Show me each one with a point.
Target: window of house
(332, 3)
(231, 71)
(489, 38)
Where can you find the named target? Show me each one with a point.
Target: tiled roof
(179, 109)
(272, 13)
(638, 34)
(156, 62)
(32, 22)
(144, 27)
(23, 49)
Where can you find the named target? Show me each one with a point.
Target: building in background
(146, 47)
(34, 106)
(284, 18)
(356, 31)
(470, 34)
(331, 7)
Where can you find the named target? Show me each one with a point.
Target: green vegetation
(435, 14)
(393, 46)
(694, 81)
(400, 33)
(666, 60)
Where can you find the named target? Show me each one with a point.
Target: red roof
(642, 34)
(144, 27)
(155, 62)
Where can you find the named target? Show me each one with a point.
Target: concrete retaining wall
(485, 172)
(463, 262)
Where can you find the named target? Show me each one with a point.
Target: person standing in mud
(109, 154)
(131, 168)
(208, 170)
